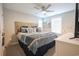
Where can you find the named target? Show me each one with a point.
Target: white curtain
(40, 24)
(56, 24)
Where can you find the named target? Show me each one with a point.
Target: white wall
(68, 21)
(9, 22)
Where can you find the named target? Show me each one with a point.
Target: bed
(34, 42)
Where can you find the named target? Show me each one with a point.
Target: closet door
(1, 28)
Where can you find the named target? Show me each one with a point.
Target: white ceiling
(29, 8)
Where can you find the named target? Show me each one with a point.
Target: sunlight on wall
(56, 24)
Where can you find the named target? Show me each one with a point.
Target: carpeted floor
(16, 50)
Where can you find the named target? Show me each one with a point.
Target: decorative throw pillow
(38, 29)
(24, 30)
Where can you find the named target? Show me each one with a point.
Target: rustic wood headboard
(18, 25)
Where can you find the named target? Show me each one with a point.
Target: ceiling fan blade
(38, 5)
(36, 8)
(48, 6)
(49, 11)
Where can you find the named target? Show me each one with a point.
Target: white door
(1, 28)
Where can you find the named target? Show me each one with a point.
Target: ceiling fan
(43, 8)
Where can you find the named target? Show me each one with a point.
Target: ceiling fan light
(43, 12)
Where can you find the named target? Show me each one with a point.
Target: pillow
(34, 29)
(30, 30)
(24, 30)
(24, 26)
(38, 29)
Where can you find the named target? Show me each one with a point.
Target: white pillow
(34, 29)
(28, 30)
(24, 30)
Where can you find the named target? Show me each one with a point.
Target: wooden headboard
(18, 25)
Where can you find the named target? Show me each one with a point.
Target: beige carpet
(50, 52)
(16, 50)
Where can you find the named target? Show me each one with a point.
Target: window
(40, 23)
(56, 24)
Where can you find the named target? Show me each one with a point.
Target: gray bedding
(36, 40)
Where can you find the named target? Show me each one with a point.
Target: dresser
(66, 46)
